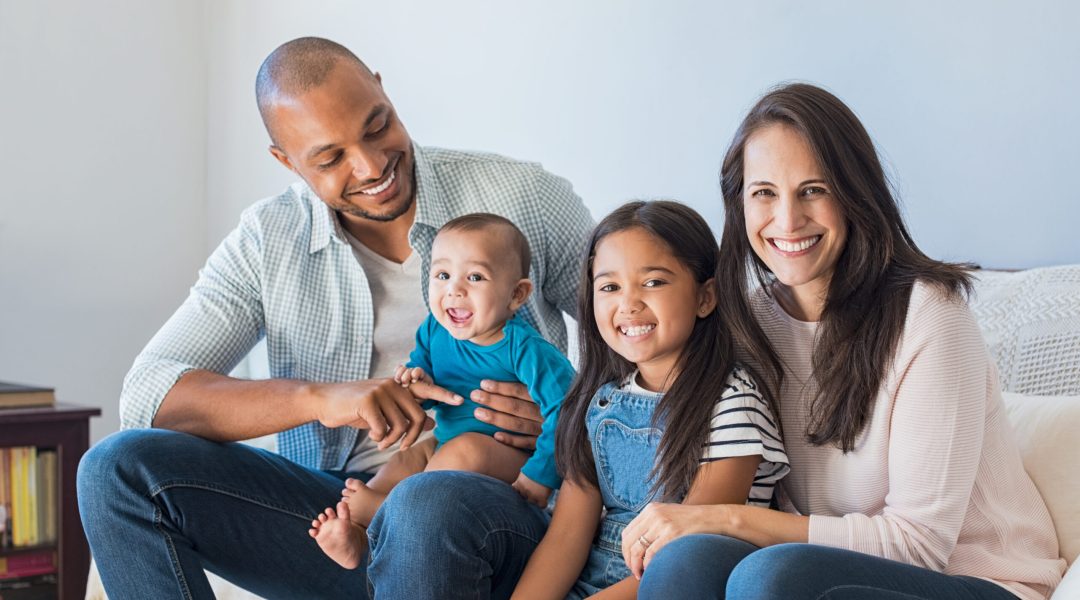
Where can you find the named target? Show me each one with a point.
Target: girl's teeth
(637, 330)
(796, 246)
(379, 188)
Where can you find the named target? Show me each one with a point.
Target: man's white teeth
(379, 188)
(637, 330)
(796, 246)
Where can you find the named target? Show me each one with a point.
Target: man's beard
(380, 217)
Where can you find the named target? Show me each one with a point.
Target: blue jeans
(715, 566)
(159, 507)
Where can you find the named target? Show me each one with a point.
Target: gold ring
(644, 542)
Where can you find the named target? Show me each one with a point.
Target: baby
(479, 278)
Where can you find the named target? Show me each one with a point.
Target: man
(330, 273)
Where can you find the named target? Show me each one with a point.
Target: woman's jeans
(159, 507)
(715, 566)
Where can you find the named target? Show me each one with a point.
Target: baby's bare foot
(342, 540)
(363, 502)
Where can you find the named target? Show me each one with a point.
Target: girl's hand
(532, 491)
(660, 523)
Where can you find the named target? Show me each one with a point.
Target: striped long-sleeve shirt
(935, 479)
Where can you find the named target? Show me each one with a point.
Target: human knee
(425, 506)
(465, 452)
(773, 572)
(695, 565)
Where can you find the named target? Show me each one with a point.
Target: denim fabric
(445, 535)
(159, 507)
(718, 567)
(624, 443)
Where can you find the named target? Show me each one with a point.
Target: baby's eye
(475, 277)
(443, 275)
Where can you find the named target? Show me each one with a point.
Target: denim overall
(624, 444)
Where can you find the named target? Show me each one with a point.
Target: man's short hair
(298, 66)
(486, 221)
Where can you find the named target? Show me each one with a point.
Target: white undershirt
(399, 309)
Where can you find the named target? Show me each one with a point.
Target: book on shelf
(36, 587)
(28, 564)
(17, 395)
(28, 496)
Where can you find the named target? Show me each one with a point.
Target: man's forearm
(225, 409)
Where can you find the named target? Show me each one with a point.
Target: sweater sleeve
(547, 374)
(940, 399)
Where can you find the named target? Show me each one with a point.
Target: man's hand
(531, 491)
(509, 406)
(388, 411)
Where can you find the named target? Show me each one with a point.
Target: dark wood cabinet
(65, 428)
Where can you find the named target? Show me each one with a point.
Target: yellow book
(18, 498)
(34, 536)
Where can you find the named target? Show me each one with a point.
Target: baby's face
(475, 284)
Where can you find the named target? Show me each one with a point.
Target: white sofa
(1031, 322)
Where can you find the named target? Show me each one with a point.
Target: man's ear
(378, 77)
(282, 158)
(707, 298)
(521, 293)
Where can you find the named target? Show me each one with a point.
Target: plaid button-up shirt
(287, 273)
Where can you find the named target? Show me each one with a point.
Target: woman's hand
(660, 523)
(509, 406)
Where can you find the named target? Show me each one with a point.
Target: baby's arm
(561, 555)
(536, 493)
(548, 375)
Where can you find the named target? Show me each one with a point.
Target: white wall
(102, 213)
(130, 140)
(972, 103)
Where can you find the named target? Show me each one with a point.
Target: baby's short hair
(482, 221)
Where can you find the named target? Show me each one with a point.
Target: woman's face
(793, 219)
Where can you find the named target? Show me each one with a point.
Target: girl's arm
(724, 481)
(561, 555)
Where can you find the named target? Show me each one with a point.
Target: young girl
(657, 349)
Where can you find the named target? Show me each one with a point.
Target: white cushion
(1046, 429)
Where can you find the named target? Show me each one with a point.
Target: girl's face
(645, 302)
(793, 219)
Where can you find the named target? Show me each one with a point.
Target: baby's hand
(406, 376)
(532, 491)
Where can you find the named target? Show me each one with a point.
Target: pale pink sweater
(935, 479)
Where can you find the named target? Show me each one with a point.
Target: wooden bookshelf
(65, 428)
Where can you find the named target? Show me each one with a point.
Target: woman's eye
(760, 193)
(814, 191)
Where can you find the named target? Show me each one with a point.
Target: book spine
(27, 565)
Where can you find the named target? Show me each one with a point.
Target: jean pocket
(626, 456)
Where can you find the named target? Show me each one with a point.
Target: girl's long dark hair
(702, 367)
(871, 285)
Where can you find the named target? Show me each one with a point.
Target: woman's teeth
(796, 246)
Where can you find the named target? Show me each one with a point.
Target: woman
(905, 479)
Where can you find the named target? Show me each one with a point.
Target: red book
(27, 564)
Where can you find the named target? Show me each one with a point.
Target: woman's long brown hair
(702, 367)
(871, 285)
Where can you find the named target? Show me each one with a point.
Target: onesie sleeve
(548, 375)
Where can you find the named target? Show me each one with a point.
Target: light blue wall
(973, 104)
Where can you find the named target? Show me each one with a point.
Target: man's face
(345, 140)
